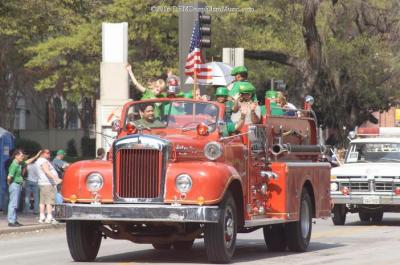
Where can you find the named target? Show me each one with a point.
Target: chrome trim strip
(308, 164)
(265, 221)
(358, 199)
(138, 213)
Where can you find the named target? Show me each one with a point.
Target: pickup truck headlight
(94, 182)
(334, 186)
(213, 150)
(183, 183)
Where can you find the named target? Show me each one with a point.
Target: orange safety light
(368, 131)
(130, 128)
(202, 129)
(345, 190)
(397, 191)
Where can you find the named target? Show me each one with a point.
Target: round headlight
(94, 182)
(183, 183)
(334, 186)
(213, 150)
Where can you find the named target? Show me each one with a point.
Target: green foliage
(30, 147)
(88, 147)
(71, 148)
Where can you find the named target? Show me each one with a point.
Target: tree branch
(274, 56)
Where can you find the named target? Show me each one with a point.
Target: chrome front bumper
(138, 213)
(365, 199)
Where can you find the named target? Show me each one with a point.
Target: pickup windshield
(177, 114)
(373, 153)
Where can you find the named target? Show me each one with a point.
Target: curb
(30, 228)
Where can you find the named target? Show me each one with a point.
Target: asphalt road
(354, 243)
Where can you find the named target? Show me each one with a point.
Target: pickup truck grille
(138, 173)
(386, 186)
(356, 186)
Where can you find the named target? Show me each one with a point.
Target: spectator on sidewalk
(48, 180)
(31, 187)
(15, 180)
(100, 153)
(59, 164)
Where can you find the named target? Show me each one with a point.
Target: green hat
(221, 91)
(239, 69)
(188, 95)
(60, 152)
(246, 87)
(271, 94)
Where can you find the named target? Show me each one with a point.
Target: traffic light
(205, 30)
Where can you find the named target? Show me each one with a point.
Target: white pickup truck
(369, 180)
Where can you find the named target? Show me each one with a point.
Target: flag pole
(194, 84)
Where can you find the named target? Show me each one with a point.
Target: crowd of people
(239, 98)
(42, 182)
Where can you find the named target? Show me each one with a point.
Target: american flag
(194, 61)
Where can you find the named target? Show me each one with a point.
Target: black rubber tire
(364, 216)
(217, 235)
(274, 237)
(298, 233)
(84, 239)
(339, 214)
(183, 245)
(377, 217)
(160, 246)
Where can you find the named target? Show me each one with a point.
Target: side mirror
(116, 125)
(252, 133)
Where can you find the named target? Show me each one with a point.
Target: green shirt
(15, 171)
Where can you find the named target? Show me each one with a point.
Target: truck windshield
(172, 114)
(373, 152)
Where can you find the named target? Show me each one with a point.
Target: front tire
(84, 239)
(220, 238)
(339, 214)
(298, 233)
(377, 217)
(364, 216)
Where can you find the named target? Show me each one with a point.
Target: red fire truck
(186, 178)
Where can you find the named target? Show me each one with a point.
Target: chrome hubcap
(229, 227)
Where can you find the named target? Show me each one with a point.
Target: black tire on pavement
(220, 238)
(339, 214)
(274, 237)
(377, 217)
(364, 216)
(183, 245)
(84, 239)
(162, 246)
(298, 233)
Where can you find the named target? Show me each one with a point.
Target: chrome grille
(386, 186)
(138, 173)
(358, 186)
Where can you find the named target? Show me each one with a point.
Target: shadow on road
(246, 250)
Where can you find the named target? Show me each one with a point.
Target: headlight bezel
(94, 177)
(183, 179)
(334, 186)
(213, 146)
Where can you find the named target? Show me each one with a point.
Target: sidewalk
(30, 223)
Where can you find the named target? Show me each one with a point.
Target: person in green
(148, 119)
(276, 110)
(15, 180)
(221, 96)
(240, 73)
(156, 86)
(246, 105)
